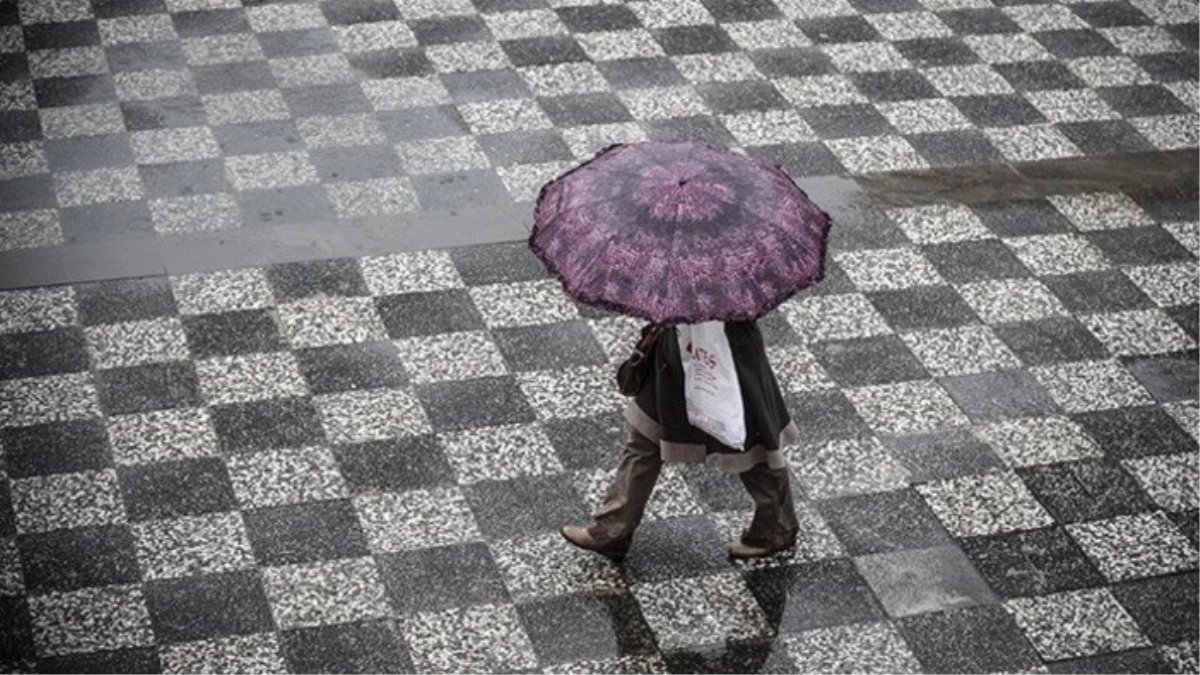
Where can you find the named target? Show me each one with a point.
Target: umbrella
(679, 233)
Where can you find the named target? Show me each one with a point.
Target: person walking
(659, 431)
(700, 242)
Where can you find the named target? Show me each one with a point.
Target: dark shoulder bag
(633, 371)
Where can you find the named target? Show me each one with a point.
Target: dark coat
(661, 403)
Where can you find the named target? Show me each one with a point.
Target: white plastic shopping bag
(710, 383)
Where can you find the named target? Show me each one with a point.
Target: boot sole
(613, 555)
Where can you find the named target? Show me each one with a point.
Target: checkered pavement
(360, 465)
(121, 118)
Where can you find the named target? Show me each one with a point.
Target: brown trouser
(774, 521)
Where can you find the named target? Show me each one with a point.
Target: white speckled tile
(984, 504)
(523, 304)
(37, 309)
(318, 322)
(134, 343)
(1101, 211)
(906, 407)
(289, 476)
(960, 351)
(326, 593)
(66, 500)
(1138, 332)
(861, 648)
(701, 611)
(253, 377)
(1038, 440)
(416, 519)
(1135, 546)
(834, 317)
(847, 467)
(91, 619)
(479, 639)
(888, 269)
(1091, 385)
(1076, 623)
(161, 435)
(370, 415)
(1011, 300)
(257, 653)
(1167, 285)
(195, 545)
(1170, 480)
(525, 449)
(544, 566)
(451, 356)
(575, 392)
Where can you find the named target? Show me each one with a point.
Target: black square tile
(923, 307)
(792, 62)
(394, 465)
(964, 262)
(124, 300)
(924, 580)
(218, 605)
(33, 192)
(674, 548)
(1099, 291)
(1032, 562)
(485, 85)
(368, 647)
(697, 128)
(886, 6)
(497, 263)
(452, 191)
(1188, 318)
(1039, 75)
(285, 206)
(17, 651)
(1052, 340)
(63, 35)
(230, 333)
(937, 52)
(1022, 217)
(363, 365)
(541, 51)
(943, 455)
(188, 487)
(165, 55)
(17, 126)
(800, 159)
(867, 361)
(8, 521)
(111, 9)
(1166, 209)
(1187, 33)
(1085, 490)
(549, 346)
(524, 506)
(127, 660)
(263, 425)
(839, 29)
(305, 533)
(49, 352)
(417, 123)
(258, 137)
(1075, 43)
(1140, 246)
(1163, 607)
(1000, 395)
(390, 63)
(715, 490)
(1169, 377)
(998, 110)
(14, 67)
(742, 10)
(230, 77)
(978, 21)
(447, 576)
(1129, 433)
(483, 402)
(895, 85)
(816, 595)
(362, 162)
(961, 147)
(88, 152)
(417, 314)
(846, 121)
(732, 657)
(200, 23)
(586, 627)
(55, 447)
(341, 12)
(1142, 100)
(641, 73)
(587, 442)
(145, 388)
(78, 90)
(969, 640)
(744, 96)
(1106, 137)
(591, 108)
(1111, 14)
(883, 522)
(699, 39)
(163, 113)
(594, 18)
(450, 29)
(825, 416)
(183, 179)
(106, 222)
(298, 280)
(82, 557)
(1170, 66)
(1188, 523)
(326, 99)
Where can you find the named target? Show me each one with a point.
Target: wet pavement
(281, 390)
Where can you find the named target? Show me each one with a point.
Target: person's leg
(613, 523)
(774, 526)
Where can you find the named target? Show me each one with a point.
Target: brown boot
(581, 537)
(774, 527)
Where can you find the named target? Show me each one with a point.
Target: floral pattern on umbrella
(679, 233)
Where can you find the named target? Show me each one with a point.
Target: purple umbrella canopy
(679, 233)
